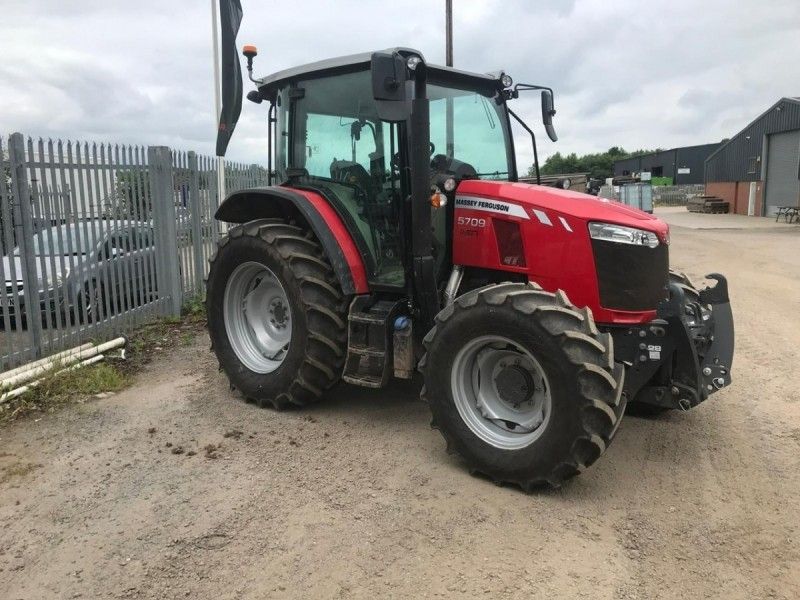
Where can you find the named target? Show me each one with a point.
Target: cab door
(346, 153)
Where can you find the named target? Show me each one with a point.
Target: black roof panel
(356, 62)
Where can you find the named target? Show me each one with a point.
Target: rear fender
(312, 210)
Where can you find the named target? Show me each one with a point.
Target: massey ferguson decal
(495, 206)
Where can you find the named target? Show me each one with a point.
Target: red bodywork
(553, 237)
(556, 247)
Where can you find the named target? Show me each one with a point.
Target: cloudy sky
(628, 73)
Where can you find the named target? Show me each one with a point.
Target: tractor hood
(564, 202)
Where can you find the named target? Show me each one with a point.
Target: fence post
(168, 275)
(23, 224)
(214, 201)
(197, 226)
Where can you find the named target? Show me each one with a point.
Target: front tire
(276, 314)
(522, 385)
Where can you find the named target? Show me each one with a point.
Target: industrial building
(758, 169)
(681, 165)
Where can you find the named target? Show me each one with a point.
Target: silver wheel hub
(258, 319)
(501, 392)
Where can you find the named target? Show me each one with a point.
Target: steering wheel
(395, 161)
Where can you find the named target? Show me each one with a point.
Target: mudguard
(271, 202)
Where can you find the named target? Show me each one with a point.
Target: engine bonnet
(564, 202)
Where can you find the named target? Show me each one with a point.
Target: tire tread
(591, 352)
(323, 302)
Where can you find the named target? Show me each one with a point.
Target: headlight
(506, 80)
(623, 235)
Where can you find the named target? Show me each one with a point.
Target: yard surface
(175, 488)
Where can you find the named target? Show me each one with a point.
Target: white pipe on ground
(30, 374)
(42, 361)
(24, 388)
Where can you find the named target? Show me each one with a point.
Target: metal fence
(676, 195)
(97, 239)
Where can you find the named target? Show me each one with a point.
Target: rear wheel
(276, 314)
(522, 385)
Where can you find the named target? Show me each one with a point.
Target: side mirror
(389, 76)
(548, 112)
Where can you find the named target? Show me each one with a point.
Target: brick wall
(737, 194)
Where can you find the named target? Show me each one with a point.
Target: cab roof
(437, 74)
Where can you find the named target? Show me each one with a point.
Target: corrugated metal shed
(627, 166)
(670, 163)
(740, 159)
(660, 164)
(690, 162)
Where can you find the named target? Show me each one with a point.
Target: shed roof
(792, 99)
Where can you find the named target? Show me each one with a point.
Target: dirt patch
(356, 497)
(16, 471)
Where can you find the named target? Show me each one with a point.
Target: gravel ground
(177, 489)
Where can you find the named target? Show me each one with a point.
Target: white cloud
(625, 73)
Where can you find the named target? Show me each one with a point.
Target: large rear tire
(522, 385)
(276, 314)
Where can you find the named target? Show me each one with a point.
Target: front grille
(631, 277)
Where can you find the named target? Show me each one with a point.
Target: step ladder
(369, 341)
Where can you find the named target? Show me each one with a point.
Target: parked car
(85, 271)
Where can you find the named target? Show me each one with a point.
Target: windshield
(62, 240)
(479, 130)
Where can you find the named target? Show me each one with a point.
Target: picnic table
(788, 213)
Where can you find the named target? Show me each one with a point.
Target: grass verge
(144, 344)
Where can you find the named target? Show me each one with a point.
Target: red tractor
(394, 236)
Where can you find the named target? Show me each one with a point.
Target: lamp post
(450, 145)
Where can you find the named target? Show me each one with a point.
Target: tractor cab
(394, 236)
(334, 137)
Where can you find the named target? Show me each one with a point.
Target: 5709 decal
(471, 222)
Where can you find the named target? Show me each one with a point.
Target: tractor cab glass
(331, 139)
(330, 134)
(480, 135)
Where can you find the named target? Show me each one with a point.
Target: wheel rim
(501, 392)
(258, 318)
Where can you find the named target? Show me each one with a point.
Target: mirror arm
(522, 87)
(533, 141)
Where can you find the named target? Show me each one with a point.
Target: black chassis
(684, 355)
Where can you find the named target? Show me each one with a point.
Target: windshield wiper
(492, 173)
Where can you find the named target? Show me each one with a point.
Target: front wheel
(522, 385)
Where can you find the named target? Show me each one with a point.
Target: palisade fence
(100, 238)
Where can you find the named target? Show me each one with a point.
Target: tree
(599, 165)
(131, 196)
